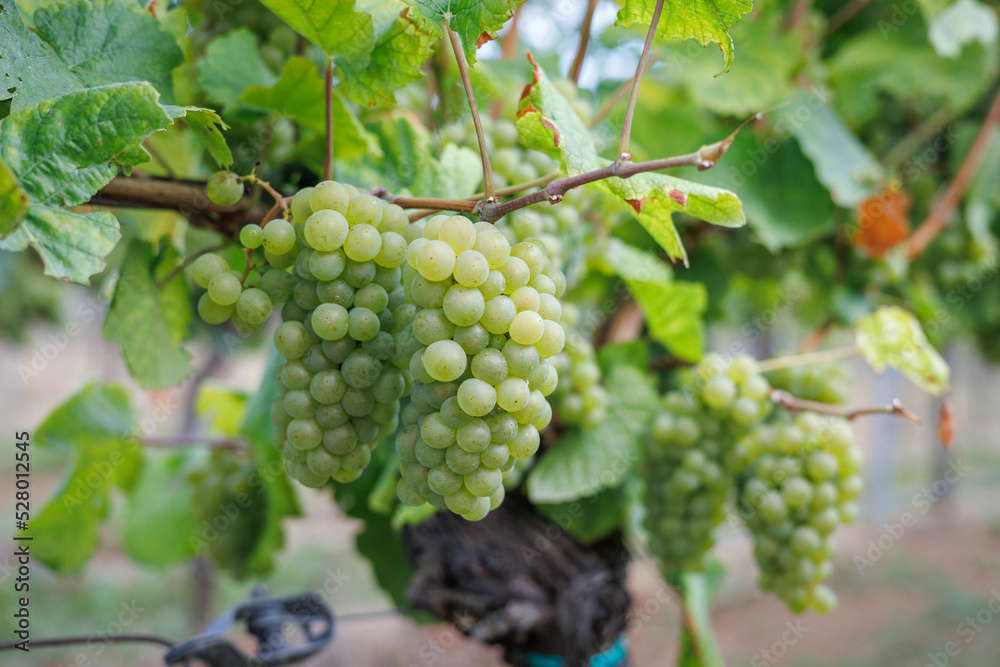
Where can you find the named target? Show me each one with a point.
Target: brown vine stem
(463, 70)
(539, 182)
(188, 261)
(581, 51)
(277, 196)
(328, 92)
(170, 441)
(435, 204)
(785, 400)
(942, 211)
(807, 358)
(623, 143)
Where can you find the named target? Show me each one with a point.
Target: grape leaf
(232, 63)
(332, 25)
(207, 126)
(270, 474)
(547, 122)
(784, 202)
(903, 64)
(72, 245)
(591, 518)
(960, 23)
(843, 164)
(110, 41)
(702, 20)
(474, 21)
(395, 61)
(675, 313)
(160, 513)
(94, 425)
(299, 95)
(13, 201)
(892, 337)
(224, 407)
(65, 149)
(455, 175)
(29, 70)
(137, 322)
(630, 263)
(587, 461)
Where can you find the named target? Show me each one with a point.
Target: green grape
(363, 324)
(224, 289)
(444, 360)
(365, 210)
(213, 313)
(278, 285)
(224, 188)
(327, 266)
(279, 237)
(363, 243)
(464, 306)
(251, 236)
(207, 267)
(301, 208)
(325, 230)
(254, 306)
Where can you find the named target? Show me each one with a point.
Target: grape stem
(188, 261)
(172, 441)
(246, 272)
(328, 92)
(807, 358)
(463, 70)
(785, 400)
(277, 196)
(623, 143)
(581, 51)
(943, 210)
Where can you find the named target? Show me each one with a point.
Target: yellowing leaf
(892, 337)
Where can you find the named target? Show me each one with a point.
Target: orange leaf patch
(883, 222)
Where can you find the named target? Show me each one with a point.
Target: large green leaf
(960, 23)
(547, 122)
(903, 64)
(160, 520)
(232, 63)
(31, 72)
(395, 61)
(784, 202)
(703, 20)
(590, 518)
(455, 175)
(94, 427)
(586, 461)
(72, 245)
(892, 337)
(271, 476)
(65, 149)
(110, 41)
(474, 21)
(675, 313)
(332, 25)
(843, 164)
(136, 320)
(13, 201)
(299, 95)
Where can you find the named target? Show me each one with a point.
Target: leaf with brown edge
(883, 222)
(946, 428)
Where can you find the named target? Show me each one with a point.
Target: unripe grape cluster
(247, 300)
(511, 163)
(339, 388)
(802, 484)
(696, 455)
(581, 399)
(486, 323)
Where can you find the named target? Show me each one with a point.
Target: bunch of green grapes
(340, 390)
(802, 484)
(583, 400)
(826, 383)
(696, 455)
(511, 162)
(230, 510)
(487, 322)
